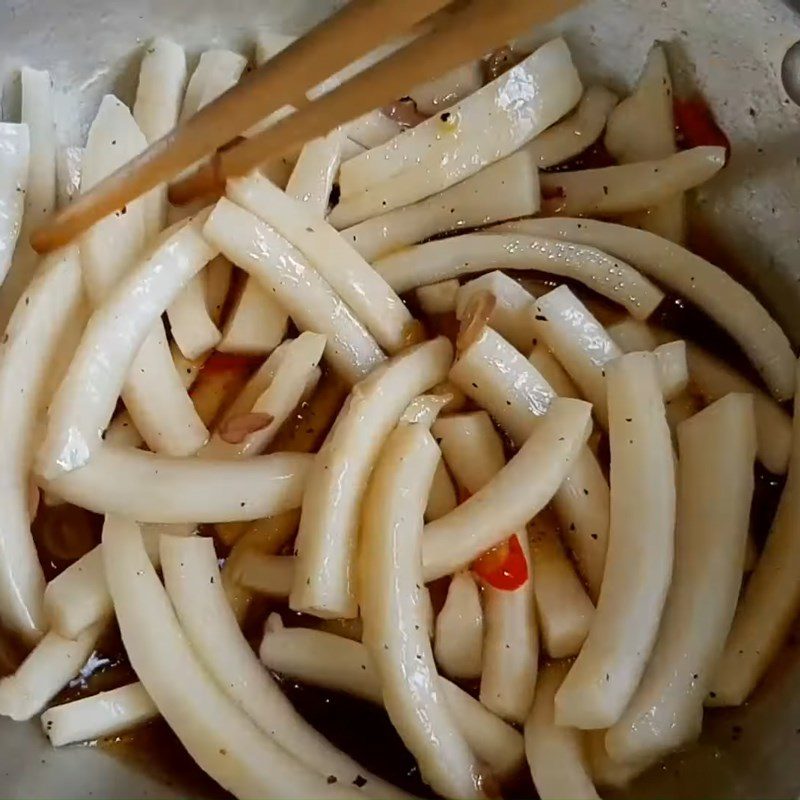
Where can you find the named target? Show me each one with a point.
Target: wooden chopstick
(357, 28)
(465, 34)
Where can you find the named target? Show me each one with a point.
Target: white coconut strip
(511, 647)
(555, 754)
(579, 130)
(296, 373)
(257, 384)
(192, 580)
(350, 149)
(153, 394)
(326, 543)
(313, 175)
(162, 78)
(14, 163)
(453, 86)
(501, 380)
(48, 668)
(334, 662)
(545, 363)
(78, 597)
(633, 335)
(194, 333)
(270, 43)
(172, 425)
(373, 302)
(219, 274)
(442, 498)
(284, 272)
(509, 317)
(37, 114)
(582, 504)
(438, 298)
(713, 379)
(638, 566)
(578, 341)
(504, 190)
(264, 574)
(673, 369)
(390, 567)
(458, 637)
(99, 716)
(32, 342)
(68, 174)
(610, 191)
(471, 447)
(771, 598)
(498, 378)
(192, 325)
(715, 488)
(111, 247)
(563, 609)
(479, 252)
(605, 771)
(727, 302)
(485, 519)
(373, 129)
(642, 127)
(185, 490)
(256, 325)
(215, 73)
(109, 347)
(450, 147)
(218, 735)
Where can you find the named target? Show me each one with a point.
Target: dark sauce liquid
(64, 533)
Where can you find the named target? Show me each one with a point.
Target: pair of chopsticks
(456, 35)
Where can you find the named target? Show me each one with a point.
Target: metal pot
(731, 50)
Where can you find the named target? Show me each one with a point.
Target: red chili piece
(504, 567)
(696, 125)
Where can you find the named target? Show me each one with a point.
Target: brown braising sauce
(63, 533)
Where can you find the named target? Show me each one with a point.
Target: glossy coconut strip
(638, 566)
(727, 302)
(218, 735)
(193, 583)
